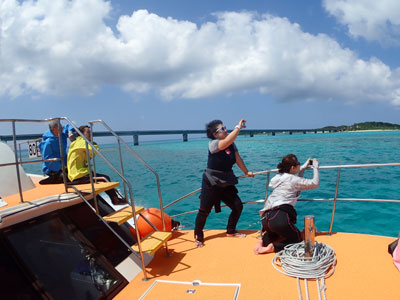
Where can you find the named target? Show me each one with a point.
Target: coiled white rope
(292, 261)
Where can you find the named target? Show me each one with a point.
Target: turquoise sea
(180, 166)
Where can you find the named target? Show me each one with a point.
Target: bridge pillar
(273, 133)
(135, 140)
(315, 131)
(251, 134)
(290, 132)
(185, 137)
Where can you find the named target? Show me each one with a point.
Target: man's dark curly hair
(211, 128)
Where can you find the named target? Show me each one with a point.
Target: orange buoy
(154, 216)
(133, 231)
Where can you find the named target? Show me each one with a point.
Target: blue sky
(178, 64)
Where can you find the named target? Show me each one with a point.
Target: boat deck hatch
(172, 290)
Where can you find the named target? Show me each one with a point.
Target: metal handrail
(198, 190)
(87, 143)
(104, 221)
(352, 199)
(132, 203)
(18, 163)
(127, 183)
(335, 199)
(120, 140)
(222, 206)
(29, 162)
(26, 142)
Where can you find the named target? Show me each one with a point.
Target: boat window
(13, 284)
(98, 234)
(62, 260)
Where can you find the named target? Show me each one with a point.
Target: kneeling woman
(278, 216)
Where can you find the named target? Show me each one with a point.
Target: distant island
(364, 126)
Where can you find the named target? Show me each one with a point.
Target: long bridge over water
(185, 133)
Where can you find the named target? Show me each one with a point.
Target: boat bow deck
(364, 269)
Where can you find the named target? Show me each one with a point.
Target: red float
(154, 216)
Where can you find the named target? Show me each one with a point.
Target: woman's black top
(222, 160)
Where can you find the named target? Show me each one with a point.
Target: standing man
(50, 148)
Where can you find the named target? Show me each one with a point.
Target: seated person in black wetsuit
(219, 181)
(278, 217)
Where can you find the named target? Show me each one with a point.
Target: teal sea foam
(180, 166)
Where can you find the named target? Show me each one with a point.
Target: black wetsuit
(218, 185)
(279, 224)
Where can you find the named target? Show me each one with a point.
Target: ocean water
(180, 166)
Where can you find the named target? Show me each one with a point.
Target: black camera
(310, 162)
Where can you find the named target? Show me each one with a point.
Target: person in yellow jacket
(77, 164)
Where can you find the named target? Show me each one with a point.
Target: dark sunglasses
(223, 128)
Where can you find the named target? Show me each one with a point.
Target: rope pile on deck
(293, 261)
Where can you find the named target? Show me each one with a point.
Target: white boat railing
(137, 156)
(334, 199)
(36, 141)
(17, 162)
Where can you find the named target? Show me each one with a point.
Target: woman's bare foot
(260, 249)
(236, 234)
(257, 247)
(198, 244)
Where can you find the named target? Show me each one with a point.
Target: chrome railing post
(334, 201)
(16, 162)
(20, 152)
(146, 165)
(138, 238)
(91, 177)
(266, 189)
(122, 167)
(94, 157)
(60, 144)
(123, 179)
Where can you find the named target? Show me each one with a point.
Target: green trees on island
(364, 126)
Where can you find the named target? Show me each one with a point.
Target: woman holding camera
(278, 216)
(219, 181)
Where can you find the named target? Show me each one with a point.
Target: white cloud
(370, 19)
(65, 47)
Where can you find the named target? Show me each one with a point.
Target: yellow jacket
(77, 161)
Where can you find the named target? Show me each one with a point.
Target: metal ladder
(148, 244)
